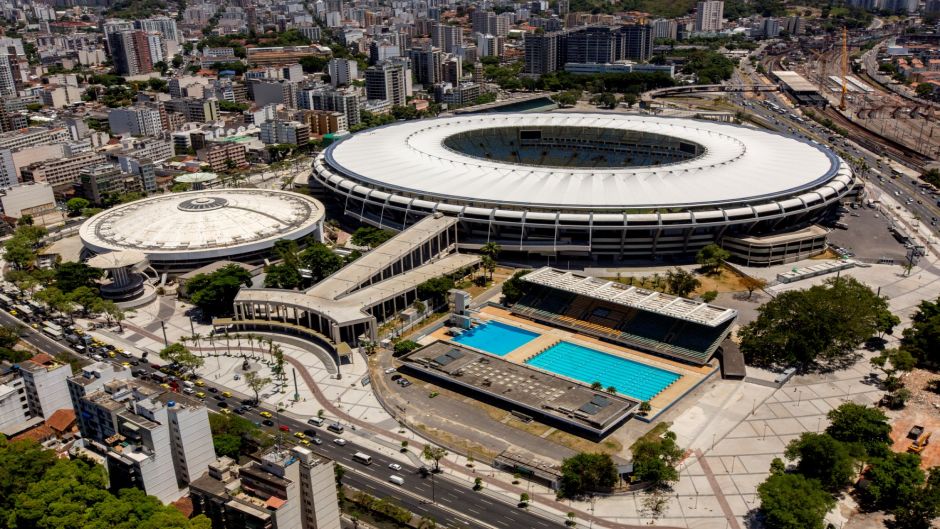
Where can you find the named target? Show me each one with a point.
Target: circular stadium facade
(179, 232)
(585, 183)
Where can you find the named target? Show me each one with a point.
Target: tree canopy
(39, 491)
(371, 237)
(655, 459)
(180, 354)
(711, 257)
(823, 323)
(922, 338)
(860, 425)
(793, 501)
(822, 458)
(892, 481)
(435, 288)
(320, 260)
(514, 287)
(585, 473)
(215, 292)
(71, 275)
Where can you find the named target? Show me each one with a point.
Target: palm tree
(251, 343)
(491, 249)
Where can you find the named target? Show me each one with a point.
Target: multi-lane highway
(449, 503)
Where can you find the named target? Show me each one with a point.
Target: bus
(365, 459)
(53, 331)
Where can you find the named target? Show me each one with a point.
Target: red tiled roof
(62, 419)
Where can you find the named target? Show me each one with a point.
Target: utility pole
(845, 66)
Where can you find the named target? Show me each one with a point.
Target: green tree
(892, 481)
(76, 205)
(922, 509)
(924, 89)
(922, 338)
(822, 458)
(215, 292)
(256, 382)
(434, 453)
(860, 425)
(793, 501)
(72, 275)
(681, 283)
(711, 257)
(514, 287)
(282, 276)
(405, 346)
(42, 492)
(435, 288)
(491, 249)
(371, 237)
(179, 353)
(320, 260)
(823, 323)
(655, 459)
(586, 472)
(227, 445)
(85, 298)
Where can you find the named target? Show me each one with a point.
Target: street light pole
(166, 342)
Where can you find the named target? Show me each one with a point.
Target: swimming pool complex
(587, 365)
(495, 337)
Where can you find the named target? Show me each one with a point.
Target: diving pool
(495, 337)
(587, 365)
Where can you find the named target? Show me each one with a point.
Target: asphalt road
(449, 503)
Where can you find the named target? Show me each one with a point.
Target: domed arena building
(179, 232)
(593, 184)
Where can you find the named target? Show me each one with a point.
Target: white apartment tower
(708, 16)
(342, 72)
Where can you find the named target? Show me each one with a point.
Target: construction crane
(845, 66)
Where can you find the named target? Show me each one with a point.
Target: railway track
(877, 143)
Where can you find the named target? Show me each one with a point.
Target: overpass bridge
(708, 88)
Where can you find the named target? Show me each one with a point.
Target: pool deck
(690, 375)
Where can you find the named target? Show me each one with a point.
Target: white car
(390, 370)
(340, 441)
(394, 466)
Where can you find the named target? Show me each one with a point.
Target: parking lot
(868, 236)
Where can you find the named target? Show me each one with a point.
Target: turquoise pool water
(495, 337)
(634, 379)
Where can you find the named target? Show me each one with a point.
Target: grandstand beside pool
(580, 329)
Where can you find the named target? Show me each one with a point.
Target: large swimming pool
(495, 337)
(587, 365)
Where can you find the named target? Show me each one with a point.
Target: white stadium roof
(203, 224)
(738, 165)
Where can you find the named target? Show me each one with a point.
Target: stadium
(179, 232)
(591, 184)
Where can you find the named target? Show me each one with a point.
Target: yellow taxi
(34, 325)
(266, 414)
(200, 394)
(225, 411)
(200, 383)
(226, 394)
(165, 386)
(13, 312)
(126, 364)
(305, 442)
(111, 354)
(300, 435)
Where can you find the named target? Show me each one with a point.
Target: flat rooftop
(630, 296)
(525, 389)
(794, 81)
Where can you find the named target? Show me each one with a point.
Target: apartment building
(153, 439)
(287, 489)
(222, 156)
(60, 173)
(32, 390)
